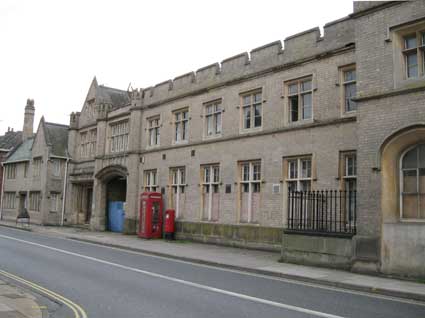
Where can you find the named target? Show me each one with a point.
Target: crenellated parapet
(295, 49)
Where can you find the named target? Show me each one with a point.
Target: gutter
(2, 192)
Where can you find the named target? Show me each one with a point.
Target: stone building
(35, 172)
(225, 145)
(8, 142)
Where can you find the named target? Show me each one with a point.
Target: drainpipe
(64, 190)
(2, 191)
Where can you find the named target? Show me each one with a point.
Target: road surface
(107, 282)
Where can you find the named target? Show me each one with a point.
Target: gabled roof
(117, 98)
(22, 152)
(10, 139)
(56, 137)
(113, 96)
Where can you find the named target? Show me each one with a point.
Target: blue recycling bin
(116, 216)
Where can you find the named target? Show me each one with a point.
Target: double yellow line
(76, 309)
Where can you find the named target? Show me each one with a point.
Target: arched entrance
(112, 187)
(403, 228)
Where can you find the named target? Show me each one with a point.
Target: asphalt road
(114, 283)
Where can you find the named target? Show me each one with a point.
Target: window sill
(212, 137)
(184, 142)
(352, 113)
(300, 122)
(251, 130)
(417, 221)
(153, 146)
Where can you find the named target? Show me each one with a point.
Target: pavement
(16, 303)
(100, 281)
(254, 261)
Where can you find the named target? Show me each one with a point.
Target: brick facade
(386, 104)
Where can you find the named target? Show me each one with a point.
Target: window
(181, 120)
(36, 164)
(11, 171)
(252, 113)
(210, 182)
(178, 184)
(9, 200)
(349, 183)
(56, 167)
(414, 54)
(213, 113)
(119, 136)
(299, 174)
(26, 169)
(412, 183)
(54, 202)
(349, 89)
(153, 127)
(88, 143)
(151, 184)
(300, 95)
(250, 181)
(35, 201)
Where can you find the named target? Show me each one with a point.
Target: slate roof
(57, 138)
(10, 139)
(115, 97)
(22, 152)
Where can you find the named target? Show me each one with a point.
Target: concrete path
(15, 303)
(242, 259)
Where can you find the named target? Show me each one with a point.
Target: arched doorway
(112, 190)
(402, 202)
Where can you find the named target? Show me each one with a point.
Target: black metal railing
(331, 212)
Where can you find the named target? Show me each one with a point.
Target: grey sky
(50, 50)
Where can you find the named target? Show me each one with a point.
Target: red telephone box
(150, 215)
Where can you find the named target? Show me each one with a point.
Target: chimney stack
(27, 131)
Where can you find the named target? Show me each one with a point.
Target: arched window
(412, 183)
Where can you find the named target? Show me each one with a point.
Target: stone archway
(402, 242)
(110, 186)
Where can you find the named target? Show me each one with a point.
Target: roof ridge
(56, 124)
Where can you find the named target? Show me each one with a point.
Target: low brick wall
(247, 236)
(318, 250)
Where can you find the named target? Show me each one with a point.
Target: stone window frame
(401, 184)
(299, 93)
(217, 111)
(154, 131)
(150, 180)
(34, 201)
(56, 167)
(343, 84)
(119, 135)
(180, 124)
(26, 169)
(208, 181)
(36, 166)
(397, 35)
(348, 182)
(88, 141)
(9, 200)
(55, 199)
(251, 182)
(177, 184)
(11, 170)
(243, 104)
(287, 161)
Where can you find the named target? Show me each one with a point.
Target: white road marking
(275, 278)
(183, 282)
